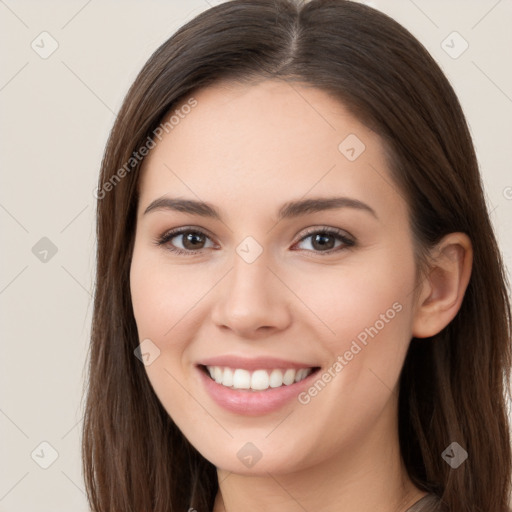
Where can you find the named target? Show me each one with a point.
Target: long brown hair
(453, 387)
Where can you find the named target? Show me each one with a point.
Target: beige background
(56, 114)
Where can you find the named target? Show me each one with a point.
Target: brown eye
(324, 240)
(191, 241)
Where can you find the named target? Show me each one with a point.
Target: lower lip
(253, 403)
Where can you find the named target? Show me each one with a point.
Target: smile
(254, 387)
(258, 380)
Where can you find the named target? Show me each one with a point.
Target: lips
(254, 386)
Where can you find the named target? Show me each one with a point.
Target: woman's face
(273, 282)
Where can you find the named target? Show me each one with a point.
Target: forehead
(273, 113)
(253, 144)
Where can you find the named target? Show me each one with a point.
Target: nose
(251, 300)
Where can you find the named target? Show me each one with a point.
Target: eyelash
(338, 233)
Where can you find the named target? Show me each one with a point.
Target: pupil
(321, 240)
(193, 239)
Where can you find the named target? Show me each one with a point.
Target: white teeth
(257, 380)
(289, 377)
(241, 379)
(276, 378)
(301, 374)
(217, 374)
(227, 379)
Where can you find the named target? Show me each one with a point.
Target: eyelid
(326, 229)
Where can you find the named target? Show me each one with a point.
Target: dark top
(429, 503)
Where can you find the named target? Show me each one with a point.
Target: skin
(247, 149)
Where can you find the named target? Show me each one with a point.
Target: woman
(300, 301)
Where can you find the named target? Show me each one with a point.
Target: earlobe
(444, 286)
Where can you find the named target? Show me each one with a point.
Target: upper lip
(251, 364)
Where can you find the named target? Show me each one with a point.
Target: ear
(444, 286)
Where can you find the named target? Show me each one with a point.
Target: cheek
(163, 295)
(163, 298)
(366, 313)
(167, 302)
(370, 295)
(369, 310)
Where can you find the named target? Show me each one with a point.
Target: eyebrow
(288, 210)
